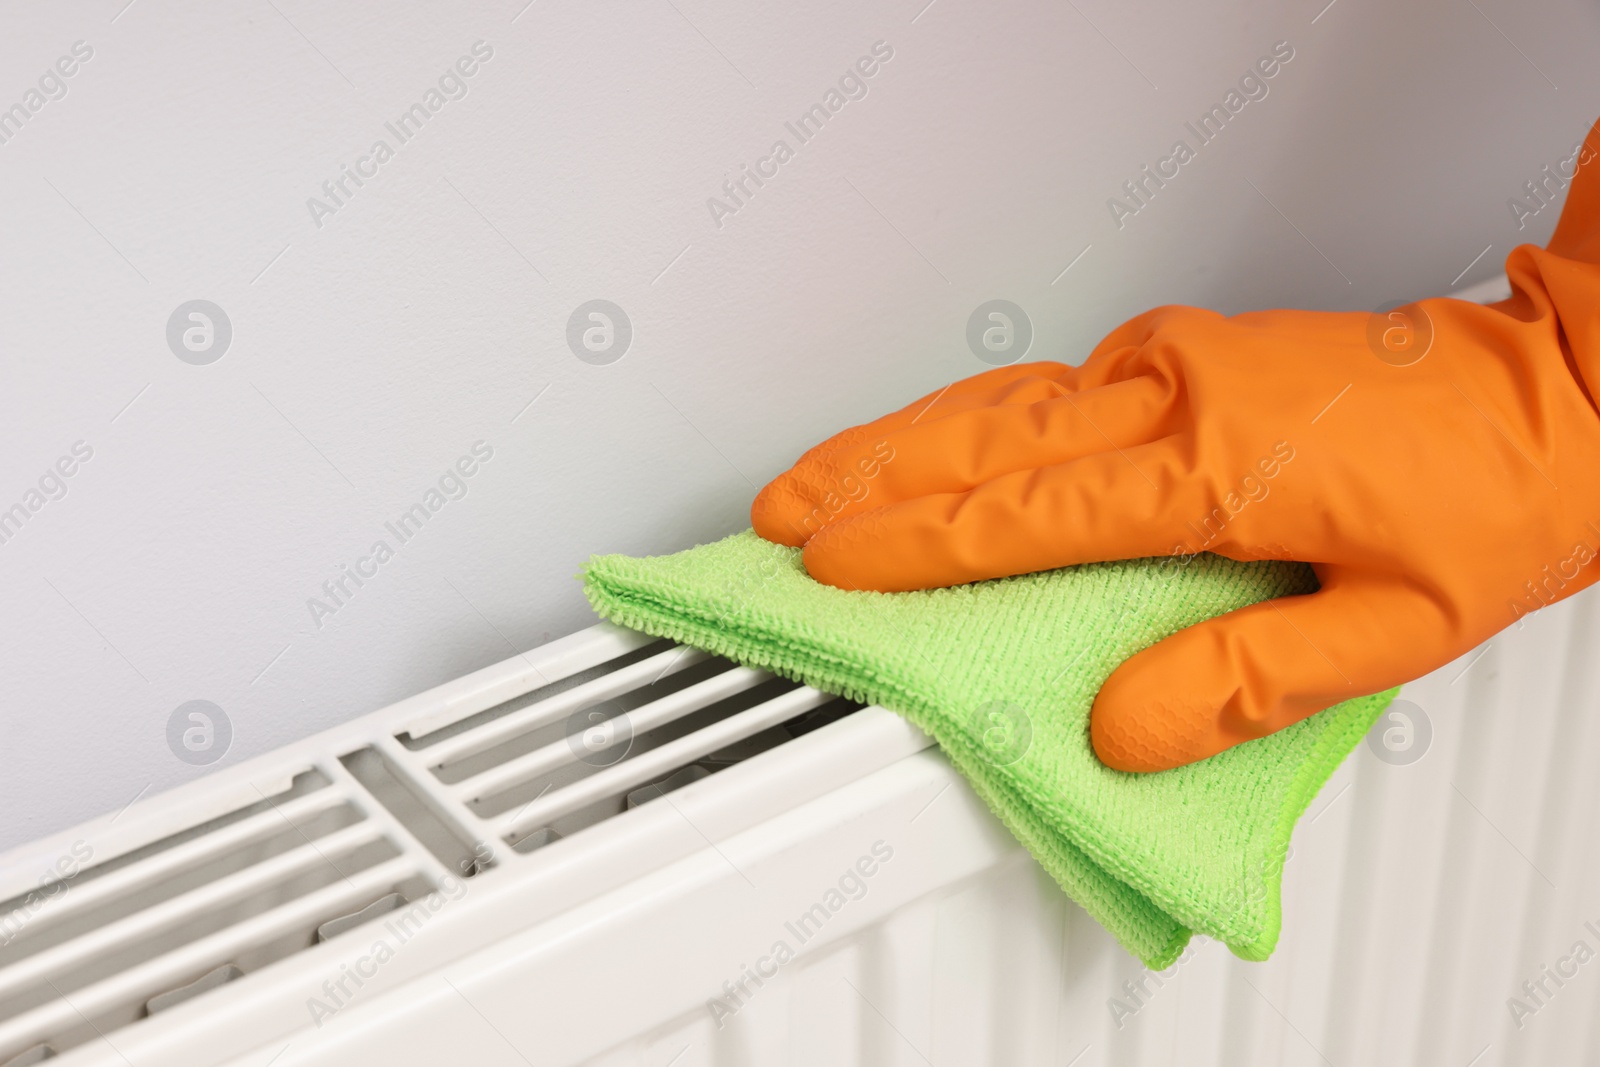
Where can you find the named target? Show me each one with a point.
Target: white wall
(371, 352)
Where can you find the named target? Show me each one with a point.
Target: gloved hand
(1440, 488)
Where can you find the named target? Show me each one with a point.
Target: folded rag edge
(1335, 743)
(1159, 948)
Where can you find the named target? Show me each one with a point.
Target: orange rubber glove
(1439, 469)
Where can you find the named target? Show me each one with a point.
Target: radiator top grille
(471, 780)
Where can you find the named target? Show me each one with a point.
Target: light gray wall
(426, 312)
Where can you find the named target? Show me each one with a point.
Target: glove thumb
(1257, 670)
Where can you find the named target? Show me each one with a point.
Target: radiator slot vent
(601, 737)
(306, 781)
(184, 863)
(676, 780)
(553, 688)
(553, 723)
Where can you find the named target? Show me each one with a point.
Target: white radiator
(184, 931)
(613, 851)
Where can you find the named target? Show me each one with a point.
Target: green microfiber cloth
(1002, 674)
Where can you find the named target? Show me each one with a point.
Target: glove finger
(958, 452)
(1019, 383)
(781, 508)
(1118, 504)
(1257, 670)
